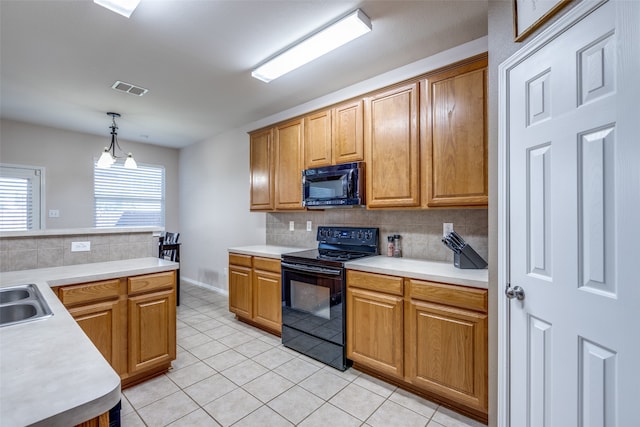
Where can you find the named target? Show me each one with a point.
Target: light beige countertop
(436, 271)
(51, 374)
(267, 251)
(80, 231)
(443, 272)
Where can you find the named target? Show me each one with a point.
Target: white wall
(68, 160)
(214, 178)
(214, 207)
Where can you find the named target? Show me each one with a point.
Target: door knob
(514, 292)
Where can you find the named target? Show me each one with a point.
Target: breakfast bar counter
(51, 372)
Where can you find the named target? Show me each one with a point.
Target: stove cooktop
(337, 245)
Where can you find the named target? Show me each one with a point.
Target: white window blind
(129, 197)
(20, 198)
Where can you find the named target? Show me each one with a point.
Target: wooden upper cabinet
(454, 124)
(261, 170)
(317, 140)
(347, 133)
(289, 164)
(392, 148)
(334, 136)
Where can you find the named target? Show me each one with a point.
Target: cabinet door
(347, 133)
(289, 164)
(152, 330)
(375, 330)
(456, 133)
(317, 140)
(104, 324)
(392, 148)
(267, 299)
(261, 170)
(240, 301)
(447, 352)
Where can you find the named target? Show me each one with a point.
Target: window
(129, 197)
(20, 197)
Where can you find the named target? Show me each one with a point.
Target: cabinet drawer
(266, 264)
(375, 282)
(456, 296)
(151, 282)
(237, 259)
(89, 292)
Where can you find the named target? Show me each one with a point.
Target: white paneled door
(571, 202)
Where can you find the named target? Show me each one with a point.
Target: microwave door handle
(304, 190)
(350, 185)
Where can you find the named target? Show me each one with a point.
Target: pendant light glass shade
(105, 160)
(130, 163)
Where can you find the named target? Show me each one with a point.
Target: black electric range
(313, 292)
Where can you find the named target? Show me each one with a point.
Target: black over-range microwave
(333, 186)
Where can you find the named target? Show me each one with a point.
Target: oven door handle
(312, 269)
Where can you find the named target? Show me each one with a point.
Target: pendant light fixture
(108, 156)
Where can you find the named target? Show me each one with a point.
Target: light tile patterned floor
(230, 374)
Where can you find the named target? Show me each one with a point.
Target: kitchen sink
(12, 295)
(22, 303)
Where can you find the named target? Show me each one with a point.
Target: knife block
(468, 258)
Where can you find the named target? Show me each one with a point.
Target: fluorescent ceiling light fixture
(121, 7)
(324, 41)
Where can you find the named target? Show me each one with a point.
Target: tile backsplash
(23, 253)
(421, 230)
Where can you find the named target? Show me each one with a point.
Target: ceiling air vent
(129, 88)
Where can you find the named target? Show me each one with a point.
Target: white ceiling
(59, 59)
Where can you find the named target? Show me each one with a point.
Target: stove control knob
(336, 233)
(360, 235)
(368, 235)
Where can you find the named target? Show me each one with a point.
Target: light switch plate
(54, 213)
(80, 246)
(309, 225)
(447, 227)
(291, 226)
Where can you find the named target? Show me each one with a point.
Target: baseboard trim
(204, 285)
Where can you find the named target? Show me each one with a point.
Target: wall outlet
(291, 226)
(80, 246)
(447, 227)
(54, 213)
(309, 225)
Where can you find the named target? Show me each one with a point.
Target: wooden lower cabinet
(152, 330)
(100, 310)
(240, 275)
(255, 291)
(375, 330)
(428, 337)
(131, 321)
(446, 352)
(267, 299)
(103, 323)
(99, 421)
